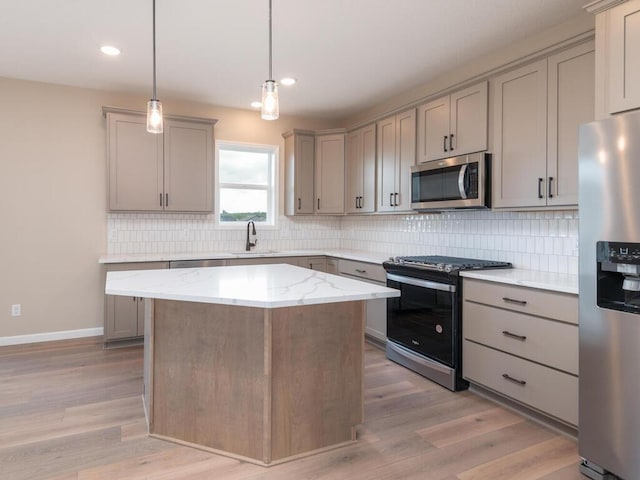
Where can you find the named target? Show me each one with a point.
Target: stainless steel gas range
(424, 324)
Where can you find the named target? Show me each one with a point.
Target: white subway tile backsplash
(544, 241)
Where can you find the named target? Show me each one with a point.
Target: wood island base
(265, 385)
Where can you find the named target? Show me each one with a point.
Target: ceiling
(346, 54)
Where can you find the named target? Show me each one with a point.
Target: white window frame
(272, 187)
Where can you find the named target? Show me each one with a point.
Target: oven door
(423, 317)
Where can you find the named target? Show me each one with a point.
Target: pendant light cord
(270, 44)
(154, 49)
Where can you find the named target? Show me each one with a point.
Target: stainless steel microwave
(452, 183)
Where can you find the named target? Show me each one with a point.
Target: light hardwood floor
(71, 410)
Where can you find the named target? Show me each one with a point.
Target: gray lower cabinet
(376, 310)
(314, 263)
(124, 316)
(522, 343)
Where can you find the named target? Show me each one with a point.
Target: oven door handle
(417, 282)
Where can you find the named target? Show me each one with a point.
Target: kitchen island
(262, 362)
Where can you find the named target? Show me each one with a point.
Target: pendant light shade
(154, 116)
(270, 106)
(154, 107)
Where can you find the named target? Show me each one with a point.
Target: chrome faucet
(252, 225)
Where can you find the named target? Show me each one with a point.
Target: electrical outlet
(16, 310)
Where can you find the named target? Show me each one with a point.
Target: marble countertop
(370, 257)
(557, 282)
(264, 286)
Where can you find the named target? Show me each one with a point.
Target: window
(245, 183)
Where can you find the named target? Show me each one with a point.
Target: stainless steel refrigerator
(609, 430)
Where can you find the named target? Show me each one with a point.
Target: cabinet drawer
(547, 390)
(544, 341)
(369, 271)
(559, 306)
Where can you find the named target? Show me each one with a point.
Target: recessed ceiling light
(110, 50)
(287, 81)
(256, 104)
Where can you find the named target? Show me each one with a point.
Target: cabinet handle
(550, 189)
(511, 300)
(133, 298)
(166, 199)
(391, 199)
(359, 270)
(540, 180)
(451, 142)
(395, 202)
(507, 333)
(160, 199)
(506, 376)
(299, 203)
(444, 144)
(318, 204)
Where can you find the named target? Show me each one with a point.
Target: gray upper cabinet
(395, 154)
(360, 170)
(135, 164)
(329, 173)
(622, 55)
(453, 125)
(188, 166)
(171, 171)
(533, 168)
(520, 136)
(299, 149)
(571, 103)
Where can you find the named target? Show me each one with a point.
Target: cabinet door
(368, 201)
(121, 319)
(520, 137)
(433, 130)
(140, 317)
(386, 164)
(188, 166)
(361, 170)
(330, 174)
(354, 171)
(124, 316)
(299, 171)
(315, 263)
(405, 157)
(571, 103)
(304, 172)
(469, 117)
(135, 164)
(624, 57)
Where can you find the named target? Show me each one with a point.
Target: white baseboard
(50, 336)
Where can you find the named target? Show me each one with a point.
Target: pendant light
(154, 107)
(270, 107)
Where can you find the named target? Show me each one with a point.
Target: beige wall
(53, 196)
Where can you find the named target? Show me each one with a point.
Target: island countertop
(263, 286)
